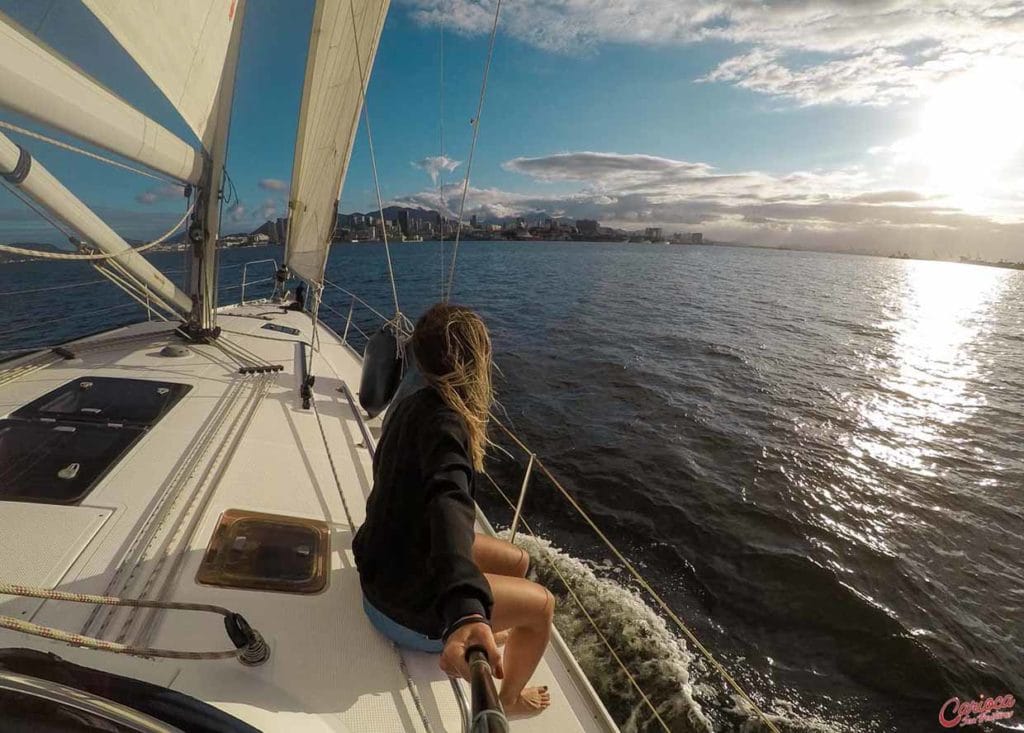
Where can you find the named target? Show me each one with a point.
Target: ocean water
(816, 459)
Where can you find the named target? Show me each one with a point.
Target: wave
(686, 692)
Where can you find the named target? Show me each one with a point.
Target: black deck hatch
(57, 463)
(138, 402)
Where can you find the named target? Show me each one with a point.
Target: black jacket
(414, 551)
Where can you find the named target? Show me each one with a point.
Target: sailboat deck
(144, 529)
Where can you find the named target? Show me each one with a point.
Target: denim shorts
(401, 635)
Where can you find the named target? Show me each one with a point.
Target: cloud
(269, 209)
(237, 213)
(874, 52)
(435, 165)
(588, 166)
(842, 208)
(273, 184)
(166, 192)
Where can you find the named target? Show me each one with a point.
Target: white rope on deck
(88, 642)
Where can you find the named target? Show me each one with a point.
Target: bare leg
(499, 557)
(526, 610)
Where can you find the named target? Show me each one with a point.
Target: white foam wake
(686, 693)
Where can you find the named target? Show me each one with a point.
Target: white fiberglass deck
(329, 670)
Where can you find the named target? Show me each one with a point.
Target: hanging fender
(383, 366)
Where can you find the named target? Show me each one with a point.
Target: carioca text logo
(955, 712)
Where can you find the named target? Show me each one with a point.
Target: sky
(867, 125)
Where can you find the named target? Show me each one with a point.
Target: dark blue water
(816, 459)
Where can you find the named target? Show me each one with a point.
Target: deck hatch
(140, 402)
(57, 463)
(257, 551)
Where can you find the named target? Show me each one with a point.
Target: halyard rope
(89, 154)
(43, 255)
(472, 150)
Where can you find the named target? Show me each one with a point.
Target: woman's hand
(453, 657)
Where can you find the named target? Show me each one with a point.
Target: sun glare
(971, 130)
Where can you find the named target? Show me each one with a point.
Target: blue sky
(818, 122)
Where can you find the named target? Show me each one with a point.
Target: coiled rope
(248, 651)
(43, 255)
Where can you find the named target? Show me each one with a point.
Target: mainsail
(38, 82)
(181, 45)
(331, 101)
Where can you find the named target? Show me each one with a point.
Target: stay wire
(373, 157)
(472, 150)
(443, 206)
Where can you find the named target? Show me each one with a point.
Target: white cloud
(237, 213)
(273, 184)
(436, 164)
(811, 51)
(846, 208)
(167, 192)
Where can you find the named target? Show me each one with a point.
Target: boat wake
(681, 688)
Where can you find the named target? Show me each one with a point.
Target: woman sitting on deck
(429, 582)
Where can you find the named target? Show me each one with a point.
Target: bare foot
(531, 701)
(501, 637)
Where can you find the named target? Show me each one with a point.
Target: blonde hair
(453, 350)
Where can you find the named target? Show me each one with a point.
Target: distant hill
(41, 246)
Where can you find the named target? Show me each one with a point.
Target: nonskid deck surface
(237, 442)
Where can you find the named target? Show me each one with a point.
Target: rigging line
(98, 256)
(373, 157)
(52, 287)
(440, 168)
(472, 150)
(106, 309)
(87, 153)
(586, 613)
(42, 213)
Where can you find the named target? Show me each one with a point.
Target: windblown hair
(453, 350)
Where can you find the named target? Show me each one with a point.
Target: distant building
(587, 226)
(281, 230)
(696, 238)
(654, 234)
(404, 224)
(473, 222)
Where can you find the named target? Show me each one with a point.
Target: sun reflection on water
(926, 378)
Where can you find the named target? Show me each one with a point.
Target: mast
(205, 226)
(19, 169)
(37, 82)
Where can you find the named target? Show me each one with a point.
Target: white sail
(331, 103)
(180, 44)
(37, 82)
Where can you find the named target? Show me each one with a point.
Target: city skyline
(886, 125)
